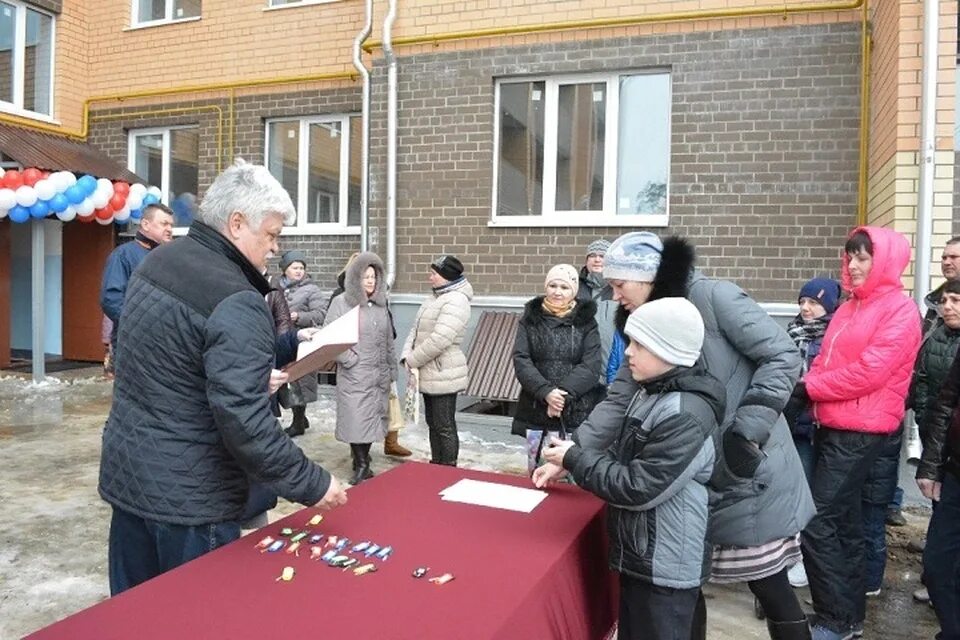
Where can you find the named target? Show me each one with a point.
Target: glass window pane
(642, 170)
(581, 136)
(184, 174)
(148, 158)
(283, 155)
(520, 175)
(356, 174)
(151, 10)
(280, 3)
(186, 9)
(38, 62)
(323, 192)
(8, 22)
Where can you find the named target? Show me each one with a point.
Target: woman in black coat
(557, 359)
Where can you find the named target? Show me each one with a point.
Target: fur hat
(670, 328)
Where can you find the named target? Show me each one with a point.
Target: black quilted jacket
(190, 423)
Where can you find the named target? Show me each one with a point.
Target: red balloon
(44, 175)
(31, 176)
(87, 218)
(12, 179)
(117, 202)
(121, 188)
(104, 214)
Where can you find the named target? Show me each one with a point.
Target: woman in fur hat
(557, 359)
(366, 370)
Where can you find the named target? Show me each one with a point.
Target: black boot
(300, 422)
(361, 463)
(799, 630)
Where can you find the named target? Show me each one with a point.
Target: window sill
(305, 3)
(160, 23)
(9, 109)
(580, 220)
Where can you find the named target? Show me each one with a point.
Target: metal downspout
(365, 122)
(928, 149)
(391, 142)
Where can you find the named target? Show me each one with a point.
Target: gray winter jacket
(365, 371)
(655, 478)
(433, 345)
(759, 493)
(305, 298)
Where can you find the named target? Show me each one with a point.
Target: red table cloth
(517, 575)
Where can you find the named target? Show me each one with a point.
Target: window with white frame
(317, 160)
(149, 12)
(169, 158)
(583, 150)
(26, 59)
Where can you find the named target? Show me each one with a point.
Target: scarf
(803, 333)
(450, 286)
(145, 241)
(595, 280)
(558, 310)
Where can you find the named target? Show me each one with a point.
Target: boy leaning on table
(654, 476)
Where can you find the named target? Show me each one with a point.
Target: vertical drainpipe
(928, 150)
(365, 120)
(391, 142)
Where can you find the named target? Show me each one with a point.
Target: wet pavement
(54, 528)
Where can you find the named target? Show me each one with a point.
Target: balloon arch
(33, 193)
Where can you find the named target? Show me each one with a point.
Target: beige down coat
(433, 345)
(365, 371)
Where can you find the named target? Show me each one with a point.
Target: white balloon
(123, 215)
(3, 213)
(105, 222)
(45, 189)
(2, 171)
(68, 180)
(133, 201)
(99, 198)
(26, 196)
(68, 214)
(155, 191)
(138, 189)
(106, 186)
(7, 198)
(85, 208)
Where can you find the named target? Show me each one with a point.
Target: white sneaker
(797, 575)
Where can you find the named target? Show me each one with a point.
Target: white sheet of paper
(492, 494)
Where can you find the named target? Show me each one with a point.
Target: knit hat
(448, 267)
(670, 328)
(824, 290)
(565, 273)
(633, 256)
(598, 246)
(290, 257)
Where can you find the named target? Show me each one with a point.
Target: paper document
(492, 494)
(326, 345)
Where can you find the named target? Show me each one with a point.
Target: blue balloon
(150, 199)
(136, 214)
(88, 183)
(59, 203)
(19, 213)
(39, 210)
(75, 194)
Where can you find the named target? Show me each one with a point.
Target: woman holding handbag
(433, 350)
(557, 359)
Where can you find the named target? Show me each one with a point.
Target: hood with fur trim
(673, 275)
(353, 281)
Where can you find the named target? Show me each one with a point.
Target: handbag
(394, 413)
(411, 399)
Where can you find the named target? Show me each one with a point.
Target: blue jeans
(141, 549)
(941, 559)
(874, 545)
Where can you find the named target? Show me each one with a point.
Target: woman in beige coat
(433, 348)
(365, 371)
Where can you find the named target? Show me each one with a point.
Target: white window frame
(550, 217)
(301, 226)
(19, 63)
(164, 185)
(168, 17)
(300, 3)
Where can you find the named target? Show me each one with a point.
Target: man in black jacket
(191, 424)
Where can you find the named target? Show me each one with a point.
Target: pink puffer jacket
(860, 379)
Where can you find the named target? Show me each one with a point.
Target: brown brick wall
(109, 133)
(763, 169)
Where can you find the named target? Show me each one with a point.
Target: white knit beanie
(670, 328)
(565, 273)
(634, 256)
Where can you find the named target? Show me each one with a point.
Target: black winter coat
(190, 425)
(936, 355)
(550, 353)
(941, 438)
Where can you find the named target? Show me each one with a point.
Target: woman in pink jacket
(857, 384)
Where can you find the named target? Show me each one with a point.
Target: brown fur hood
(353, 287)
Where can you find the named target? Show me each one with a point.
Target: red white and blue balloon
(33, 193)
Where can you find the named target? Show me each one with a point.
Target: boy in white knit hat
(654, 476)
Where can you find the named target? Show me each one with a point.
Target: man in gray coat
(190, 423)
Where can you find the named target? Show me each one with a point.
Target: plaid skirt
(743, 564)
